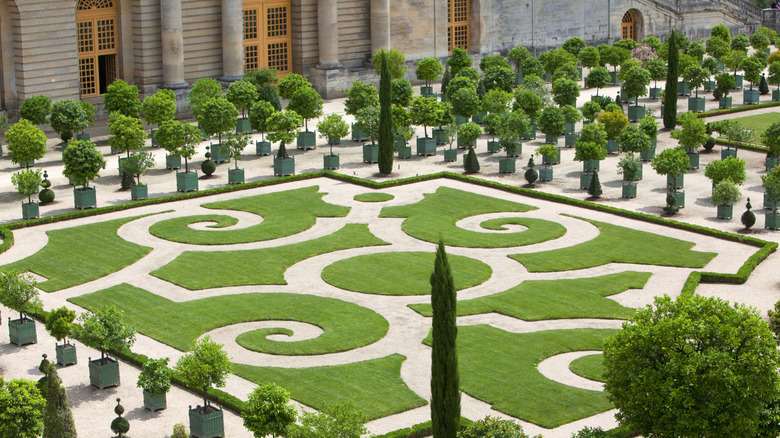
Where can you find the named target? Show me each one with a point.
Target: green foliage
(527, 102)
(568, 71)
(35, 109)
(733, 60)
(217, 117)
(21, 409)
(589, 57)
(555, 58)
(771, 184)
(633, 139)
(501, 78)
(594, 188)
(83, 161)
(57, 417)
(635, 82)
(202, 91)
(127, 133)
(774, 320)
(598, 78)
(590, 110)
(771, 139)
(395, 63)
(565, 91)
(263, 76)
(206, 366)
(242, 94)
(360, 95)
(763, 86)
(492, 61)
(155, 376)
(60, 323)
(292, 83)
(748, 218)
(588, 150)
(615, 55)
(469, 132)
(459, 59)
(307, 102)
(386, 134)
(332, 127)
(429, 69)
(425, 111)
(517, 55)
(268, 412)
(594, 132)
(159, 107)
(752, 68)
(740, 43)
(672, 161)
(342, 421)
(18, 291)
(614, 122)
(258, 116)
(283, 126)
(104, 329)
(269, 94)
(458, 83)
(721, 31)
(574, 45)
(717, 47)
(122, 98)
(725, 193)
(464, 101)
(649, 126)
(732, 168)
(496, 101)
(711, 65)
(119, 425)
(672, 73)
(724, 83)
(368, 121)
(678, 368)
(68, 117)
(492, 427)
(234, 144)
(402, 92)
(536, 85)
(551, 121)
(179, 139)
(179, 430)
(693, 133)
(26, 142)
(27, 182)
(696, 50)
(472, 163)
(629, 166)
(571, 114)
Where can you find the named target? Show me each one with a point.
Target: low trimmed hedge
(739, 109)
(420, 430)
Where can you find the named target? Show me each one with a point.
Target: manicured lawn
(535, 300)
(616, 244)
(284, 214)
(499, 368)
(437, 214)
(759, 122)
(373, 386)
(374, 197)
(207, 269)
(81, 254)
(590, 367)
(346, 326)
(401, 273)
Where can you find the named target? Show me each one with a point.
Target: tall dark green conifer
(445, 394)
(670, 95)
(57, 418)
(386, 141)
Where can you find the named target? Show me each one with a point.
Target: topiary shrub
(208, 167)
(748, 217)
(127, 180)
(179, 431)
(46, 195)
(594, 189)
(472, 164)
(120, 425)
(531, 175)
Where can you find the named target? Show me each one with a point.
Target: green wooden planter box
(85, 136)
(629, 190)
(426, 91)
(262, 148)
(371, 153)
(772, 221)
(440, 136)
(636, 112)
(550, 139)
(358, 134)
(680, 199)
(518, 149)
(694, 158)
(66, 354)
(187, 181)
(22, 331)
(172, 162)
(330, 161)
(612, 147)
(680, 181)
(750, 97)
(284, 166)
(450, 155)
(399, 143)
(478, 118)
(459, 120)
(639, 175)
(591, 165)
(216, 153)
(683, 89)
(506, 165)
(546, 173)
(552, 160)
(767, 202)
(613, 78)
(696, 104)
(235, 176)
(242, 125)
(725, 211)
(155, 402)
(29, 210)
(119, 163)
(493, 146)
(151, 135)
(206, 425)
(738, 81)
(568, 128)
(724, 102)
(139, 192)
(770, 163)
(103, 375)
(84, 197)
(647, 154)
(426, 146)
(405, 152)
(655, 93)
(775, 97)
(709, 85)
(585, 178)
(571, 140)
(728, 152)
(307, 140)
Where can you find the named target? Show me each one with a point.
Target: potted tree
(491, 122)
(631, 168)
(428, 70)
(127, 135)
(123, 98)
(105, 330)
(633, 139)
(771, 139)
(27, 182)
(635, 84)
(207, 365)
(752, 67)
(60, 324)
(571, 115)
(550, 155)
(258, 119)
(307, 103)
(216, 117)
(283, 126)
(531, 104)
(360, 95)
(18, 291)
(771, 184)
(695, 76)
(403, 131)
(26, 143)
(552, 124)
(774, 79)
(155, 381)
(511, 128)
(180, 139)
(724, 195)
(517, 55)
(733, 61)
(711, 65)
(67, 117)
(465, 104)
(590, 153)
(242, 94)
(232, 147)
(565, 91)
(467, 135)
(614, 122)
(731, 168)
(427, 112)
(157, 108)
(202, 91)
(598, 78)
(451, 154)
(89, 111)
(35, 109)
(83, 163)
(674, 163)
(657, 69)
(692, 135)
(724, 84)
(332, 127)
(734, 132)
(649, 126)
(590, 111)
(368, 122)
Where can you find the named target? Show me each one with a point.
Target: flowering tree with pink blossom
(643, 54)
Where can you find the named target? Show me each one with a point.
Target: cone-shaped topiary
(748, 217)
(120, 425)
(57, 418)
(763, 87)
(594, 189)
(472, 164)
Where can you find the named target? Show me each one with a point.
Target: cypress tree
(670, 95)
(445, 394)
(594, 189)
(57, 417)
(386, 140)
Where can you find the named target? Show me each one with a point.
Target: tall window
(458, 24)
(97, 44)
(628, 27)
(267, 39)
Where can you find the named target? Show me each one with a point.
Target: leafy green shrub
(492, 427)
(725, 193)
(120, 425)
(179, 431)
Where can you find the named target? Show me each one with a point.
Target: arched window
(628, 30)
(458, 24)
(96, 25)
(267, 36)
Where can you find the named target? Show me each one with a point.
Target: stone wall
(305, 49)
(771, 19)
(147, 45)
(202, 29)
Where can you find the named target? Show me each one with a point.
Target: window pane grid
(251, 61)
(278, 56)
(85, 36)
(105, 34)
(250, 24)
(95, 4)
(276, 24)
(87, 77)
(267, 40)
(458, 24)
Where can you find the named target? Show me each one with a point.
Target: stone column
(232, 40)
(327, 34)
(172, 44)
(380, 25)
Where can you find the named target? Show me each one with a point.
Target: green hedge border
(738, 145)
(236, 405)
(739, 109)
